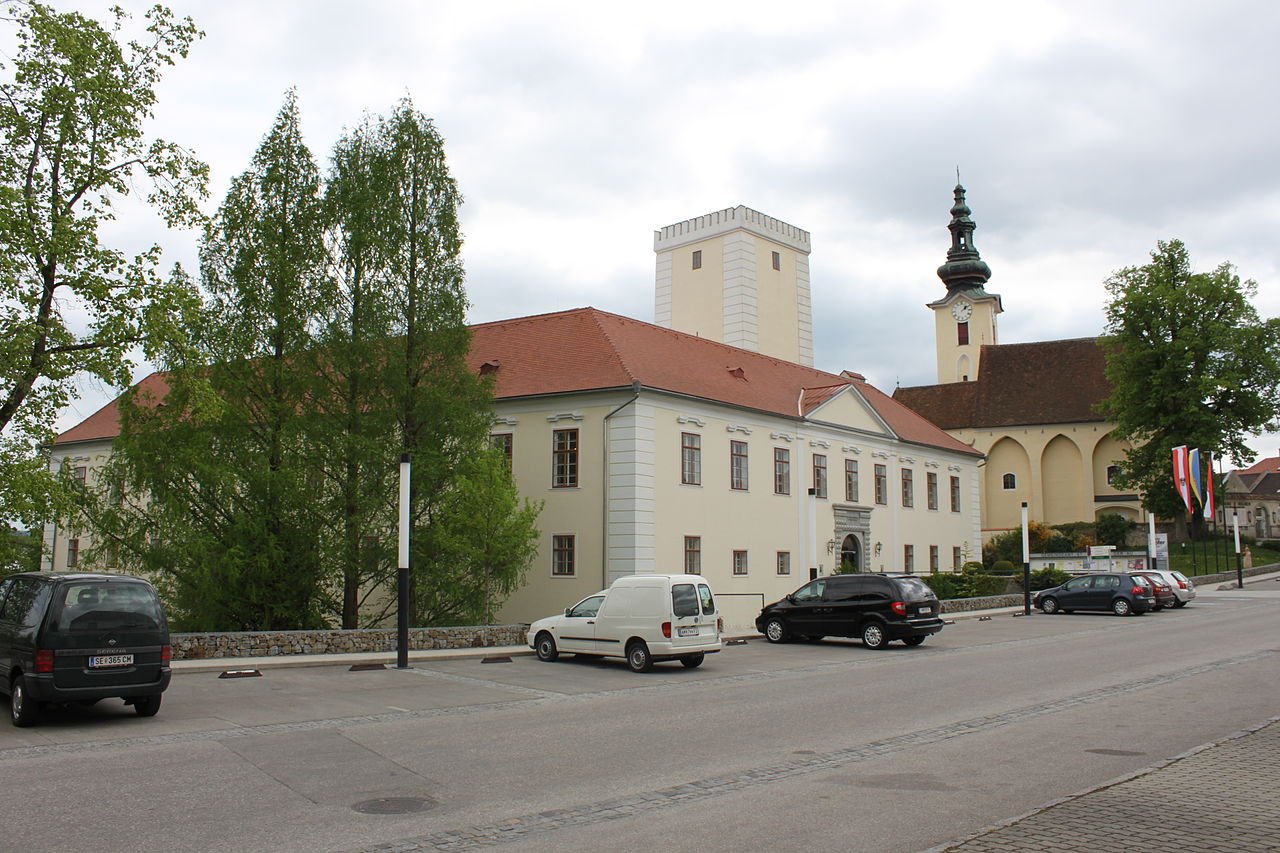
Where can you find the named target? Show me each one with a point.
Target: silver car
(1183, 589)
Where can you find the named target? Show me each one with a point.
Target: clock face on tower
(962, 311)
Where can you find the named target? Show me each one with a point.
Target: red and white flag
(1208, 489)
(1182, 475)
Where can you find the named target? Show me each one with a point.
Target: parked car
(643, 619)
(1183, 589)
(878, 608)
(68, 638)
(1122, 593)
(1161, 589)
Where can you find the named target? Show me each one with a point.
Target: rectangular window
(781, 471)
(882, 485)
(697, 259)
(909, 558)
(693, 555)
(738, 465)
(908, 488)
(564, 462)
(739, 562)
(784, 562)
(955, 494)
(777, 261)
(73, 552)
(955, 558)
(931, 488)
(80, 474)
(690, 459)
(562, 556)
(502, 441)
(819, 475)
(933, 558)
(851, 480)
(962, 334)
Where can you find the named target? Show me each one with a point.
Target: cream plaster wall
(1061, 471)
(93, 455)
(956, 361)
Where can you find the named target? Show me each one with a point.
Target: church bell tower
(965, 318)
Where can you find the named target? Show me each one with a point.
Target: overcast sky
(1083, 131)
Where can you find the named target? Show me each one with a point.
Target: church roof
(1263, 466)
(586, 349)
(1047, 382)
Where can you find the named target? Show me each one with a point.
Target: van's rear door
(694, 617)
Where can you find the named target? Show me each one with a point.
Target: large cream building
(1029, 408)
(662, 448)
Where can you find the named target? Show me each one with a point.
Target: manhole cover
(395, 805)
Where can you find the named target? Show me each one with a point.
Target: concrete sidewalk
(1220, 796)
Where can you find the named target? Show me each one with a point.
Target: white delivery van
(641, 618)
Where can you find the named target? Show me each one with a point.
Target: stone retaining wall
(963, 605)
(235, 644)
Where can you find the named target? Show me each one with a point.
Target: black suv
(878, 608)
(79, 638)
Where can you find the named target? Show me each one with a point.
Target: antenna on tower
(957, 174)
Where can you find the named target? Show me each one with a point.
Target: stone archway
(850, 554)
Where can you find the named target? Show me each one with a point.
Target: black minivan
(68, 638)
(878, 608)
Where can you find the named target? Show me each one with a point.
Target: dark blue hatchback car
(1122, 593)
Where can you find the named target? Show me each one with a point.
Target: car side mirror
(568, 611)
(791, 596)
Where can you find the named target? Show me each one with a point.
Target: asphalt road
(813, 747)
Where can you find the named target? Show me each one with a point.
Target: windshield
(914, 589)
(105, 605)
(684, 600)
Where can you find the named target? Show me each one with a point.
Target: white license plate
(691, 631)
(926, 610)
(104, 661)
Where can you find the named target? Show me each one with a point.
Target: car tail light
(166, 654)
(1137, 590)
(1182, 584)
(666, 629)
(44, 660)
(899, 607)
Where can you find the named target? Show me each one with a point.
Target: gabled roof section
(1047, 382)
(104, 424)
(1263, 466)
(590, 350)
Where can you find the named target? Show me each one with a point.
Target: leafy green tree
(221, 468)
(1190, 362)
(72, 118)
(443, 410)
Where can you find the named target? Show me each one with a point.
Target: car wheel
(776, 631)
(873, 636)
(24, 711)
(1121, 607)
(913, 641)
(638, 657)
(545, 645)
(693, 661)
(146, 706)
(1180, 603)
(1049, 605)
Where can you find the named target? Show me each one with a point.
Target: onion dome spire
(964, 269)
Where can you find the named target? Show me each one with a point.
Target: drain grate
(395, 805)
(241, 673)
(496, 659)
(1114, 752)
(365, 667)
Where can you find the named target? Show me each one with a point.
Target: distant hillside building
(1030, 408)
(1253, 494)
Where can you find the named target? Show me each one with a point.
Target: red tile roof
(1268, 465)
(586, 349)
(1047, 382)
